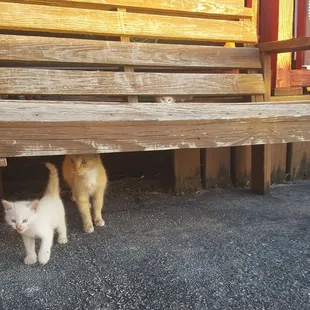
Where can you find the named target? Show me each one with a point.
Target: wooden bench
(78, 83)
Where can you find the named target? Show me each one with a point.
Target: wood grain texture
(73, 82)
(298, 165)
(285, 31)
(300, 78)
(284, 46)
(241, 165)
(15, 16)
(223, 9)
(202, 8)
(45, 129)
(261, 169)
(187, 176)
(216, 165)
(94, 52)
(278, 163)
(288, 91)
(290, 99)
(130, 99)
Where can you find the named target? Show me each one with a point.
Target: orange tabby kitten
(87, 178)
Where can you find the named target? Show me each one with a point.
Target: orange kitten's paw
(99, 222)
(88, 228)
(30, 260)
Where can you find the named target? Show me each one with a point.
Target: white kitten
(173, 99)
(39, 219)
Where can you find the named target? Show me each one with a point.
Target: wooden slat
(300, 78)
(46, 129)
(204, 8)
(284, 46)
(78, 51)
(290, 99)
(15, 16)
(288, 91)
(72, 82)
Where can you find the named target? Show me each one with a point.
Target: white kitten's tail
(52, 188)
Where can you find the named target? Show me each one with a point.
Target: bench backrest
(44, 51)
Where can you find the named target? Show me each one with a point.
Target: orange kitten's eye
(72, 160)
(83, 162)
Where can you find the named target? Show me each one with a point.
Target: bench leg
(186, 165)
(216, 167)
(241, 165)
(1, 185)
(261, 169)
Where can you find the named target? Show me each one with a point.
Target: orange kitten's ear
(8, 205)
(34, 205)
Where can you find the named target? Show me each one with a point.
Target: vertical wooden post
(216, 162)
(187, 176)
(261, 169)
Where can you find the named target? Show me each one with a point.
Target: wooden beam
(300, 78)
(285, 31)
(278, 162)
(77, 82)
(290, 99)
(15, 16)
(288, 91)
(34, 49)
(204, 8)
(187, 176)
(298, 165)
(45, 129)
(216, 167)
(285, 46)
(261, 169)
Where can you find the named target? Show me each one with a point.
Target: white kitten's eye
(25, 221)
(13, 221)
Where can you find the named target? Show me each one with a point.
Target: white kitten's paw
(44, 258)
(88, 228)
(30, 260)
(62, 240)
(99, 222)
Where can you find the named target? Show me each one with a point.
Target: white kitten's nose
(19, 228)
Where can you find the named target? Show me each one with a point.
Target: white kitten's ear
(8, 205)
(34, 205)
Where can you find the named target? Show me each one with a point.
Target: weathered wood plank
(41, 129)
(204, 8)
(15, 16)
(300, 78)
(288, 91)
(73, 82)
(78, 51)
(284, 46)
(48, 112)
(290, 99)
